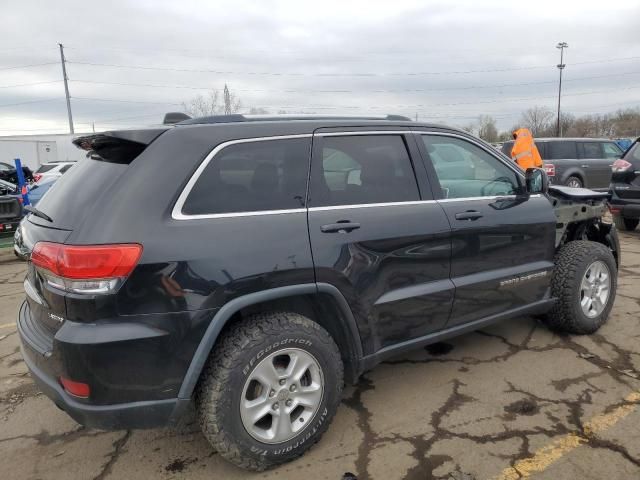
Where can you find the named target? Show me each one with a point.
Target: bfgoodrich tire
(584, 282)
(270, 389)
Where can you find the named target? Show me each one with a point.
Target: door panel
(597, 168)
(392, 260)
(502, 240)
(497, 257)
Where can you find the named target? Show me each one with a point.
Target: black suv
(250, 267)
(625, 189)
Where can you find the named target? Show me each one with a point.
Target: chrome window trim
(363, 132)
(177, 214)
(370, 205)
(492, 197)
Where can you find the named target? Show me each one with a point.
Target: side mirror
(536, 181)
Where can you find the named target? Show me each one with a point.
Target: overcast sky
(445, 61)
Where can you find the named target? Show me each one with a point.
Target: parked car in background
(10, 207)
(52, 170)
(576, 162)
(8, 173)
(625, 189)
(37, 190)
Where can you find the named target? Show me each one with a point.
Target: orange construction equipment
(524, 151)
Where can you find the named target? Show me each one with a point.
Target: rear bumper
(46, 365)
(627, 209)
(109, 417)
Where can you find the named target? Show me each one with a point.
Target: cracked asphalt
(507, 402)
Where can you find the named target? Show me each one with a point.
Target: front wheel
(270, 389)
(584, 283)
(623, 223)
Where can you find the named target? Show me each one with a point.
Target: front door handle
(342, 226)
(468, 215)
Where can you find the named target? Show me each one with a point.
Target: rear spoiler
(118, 146)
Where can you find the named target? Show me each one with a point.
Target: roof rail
(236, 117)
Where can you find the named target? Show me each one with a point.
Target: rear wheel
(584, 282)
(270, 389)
(623, 223)
(573, 182)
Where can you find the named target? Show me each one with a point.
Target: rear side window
(45, 168)
(589, 150)
(561, 150)
(611, 150)
(363, 169)
(254, 176)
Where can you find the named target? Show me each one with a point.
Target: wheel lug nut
(275, 406)
(272, 393)
(292, 388)
(282, 381)
(289, 402)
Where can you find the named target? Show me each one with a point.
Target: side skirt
(371, 361)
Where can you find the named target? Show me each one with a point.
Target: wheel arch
(322, 303)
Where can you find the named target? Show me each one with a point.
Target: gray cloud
(330, 57)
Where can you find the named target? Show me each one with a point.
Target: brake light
(621, 166)
(85, 268)
(77, 389)
(550, 169)
(37, 177)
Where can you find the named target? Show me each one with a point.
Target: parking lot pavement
(506, 402)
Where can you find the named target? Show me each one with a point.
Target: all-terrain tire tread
(568, 260)
(226, 358)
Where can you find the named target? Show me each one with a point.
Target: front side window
(611, 150)
(466, 170)
(561, 150)
(363, 169)
(252, 177)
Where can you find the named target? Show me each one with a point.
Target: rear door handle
(342, 226)
(468, 215)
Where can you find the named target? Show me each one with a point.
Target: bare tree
(537, 119)
(211, 104)
(487, 128)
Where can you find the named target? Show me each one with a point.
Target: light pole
(561, 46)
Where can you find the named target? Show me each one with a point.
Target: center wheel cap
(283, 395)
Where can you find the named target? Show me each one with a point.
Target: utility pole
(66, 88)
(561, 46)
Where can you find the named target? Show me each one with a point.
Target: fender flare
(223, 315)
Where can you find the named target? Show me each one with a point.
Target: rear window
(45, 168)
(72, 196)
(252, 177)
(561, 150)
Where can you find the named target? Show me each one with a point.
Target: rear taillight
(621, 166)
(37, 177)
(550, 169)
(88, 269)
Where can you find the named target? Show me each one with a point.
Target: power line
(359, 74)
(28, 66)
(123, 101)
(29, 84)
(403, 90)
(29, 102)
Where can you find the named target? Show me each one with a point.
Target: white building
(34, 150)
